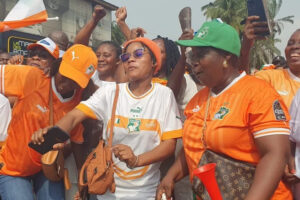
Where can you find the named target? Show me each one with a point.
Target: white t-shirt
(5, 113)
(295, 129)
(141, 123)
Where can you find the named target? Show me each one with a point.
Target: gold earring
(225, 64)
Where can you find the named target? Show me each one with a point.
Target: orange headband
(154, 48)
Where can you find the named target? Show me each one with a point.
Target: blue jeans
(30, 188)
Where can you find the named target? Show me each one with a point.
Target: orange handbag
(97, 171)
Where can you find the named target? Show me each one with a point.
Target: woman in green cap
(236, 115)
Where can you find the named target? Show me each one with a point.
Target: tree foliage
(116, 34)
(233, 12)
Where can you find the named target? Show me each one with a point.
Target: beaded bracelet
(135, 163)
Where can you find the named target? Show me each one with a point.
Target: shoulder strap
(112, 119)
(51, 122)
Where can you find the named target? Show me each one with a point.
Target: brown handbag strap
(51, 121)
(203, 138)
(113, 113)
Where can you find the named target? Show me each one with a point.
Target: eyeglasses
(40, 53)
(138, 53)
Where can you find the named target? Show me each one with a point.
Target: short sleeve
(268, 114)
(98, 105)
(172, 127)
(5, 113)
(19, 80)
(264, 75)
(295, 119)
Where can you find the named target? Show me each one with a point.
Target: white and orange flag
(24, 13)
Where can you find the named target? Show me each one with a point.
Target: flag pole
(53, 19)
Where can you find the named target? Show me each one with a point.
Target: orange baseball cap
(79, 64)
(48, 45)
(154, 48)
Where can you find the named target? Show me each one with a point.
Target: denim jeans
(30, 188)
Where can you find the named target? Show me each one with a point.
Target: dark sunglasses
(136, 54)
(39, 53)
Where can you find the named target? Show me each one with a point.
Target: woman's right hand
(166, 187)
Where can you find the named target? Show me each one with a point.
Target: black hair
(117, 48)
(55, 66)
(172, 54)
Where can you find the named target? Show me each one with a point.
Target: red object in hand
(206, 174)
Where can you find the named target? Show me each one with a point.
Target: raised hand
(98, 13)
(121, 14)
(137, 32)
(253, 28)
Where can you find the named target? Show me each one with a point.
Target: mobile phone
(259, 8)
(53, 136)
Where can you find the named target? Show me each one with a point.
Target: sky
(160, 17)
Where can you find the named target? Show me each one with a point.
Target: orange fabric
(34, 19)
(282, 81)
(30, 113)
(249, 110)
(79, 64)
(154, 48)
(160, 81)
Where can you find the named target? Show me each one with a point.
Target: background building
(73, 15)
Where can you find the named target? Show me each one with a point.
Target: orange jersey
(284, 82)
(30, 113)
(160, 81)
(246, 109)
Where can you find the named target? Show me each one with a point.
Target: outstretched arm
(176, 77)
(252, 32)
(121, 15)
(84, 34)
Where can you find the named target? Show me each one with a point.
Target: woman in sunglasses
(146, 126)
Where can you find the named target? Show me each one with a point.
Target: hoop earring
(225, 64)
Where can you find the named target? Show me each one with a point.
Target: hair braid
(172, 54)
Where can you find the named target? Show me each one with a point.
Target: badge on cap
(45, 42)
(203, 33)
(89, 70)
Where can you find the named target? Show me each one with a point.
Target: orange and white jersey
(246, 109)
(30, 113)
(284, 82)
(141, 123)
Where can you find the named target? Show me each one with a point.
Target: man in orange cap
(38, 96)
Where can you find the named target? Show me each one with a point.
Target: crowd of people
(176, 100)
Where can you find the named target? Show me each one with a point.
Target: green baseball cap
(215, 34)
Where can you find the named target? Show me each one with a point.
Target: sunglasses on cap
(41, 54)
(138, 53)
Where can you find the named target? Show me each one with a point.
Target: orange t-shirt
(247, 109)
(30, 113)
(284, 82)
